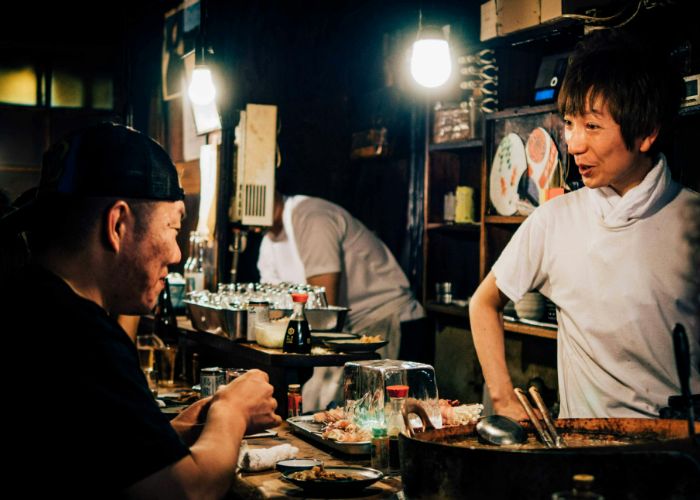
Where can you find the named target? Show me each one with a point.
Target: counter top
(269, 483)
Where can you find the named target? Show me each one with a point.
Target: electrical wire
(581, 17)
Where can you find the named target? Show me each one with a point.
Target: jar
(380, 449)
(294, 400)
(258, 312)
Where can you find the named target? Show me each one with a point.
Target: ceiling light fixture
(431, 62)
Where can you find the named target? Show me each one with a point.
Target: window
(19, 84)
(71, 85)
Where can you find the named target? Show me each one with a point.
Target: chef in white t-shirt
(613, 256)
(318, 242)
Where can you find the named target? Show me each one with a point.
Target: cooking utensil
(558, 441)
(500, 430)
(658, 462)
(544, 436)
(681, 351)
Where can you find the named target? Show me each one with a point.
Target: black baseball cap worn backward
(109, 160)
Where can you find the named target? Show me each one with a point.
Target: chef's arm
(485, 315)
(332, 283)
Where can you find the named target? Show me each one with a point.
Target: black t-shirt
(84, 421)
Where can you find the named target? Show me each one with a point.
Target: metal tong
(548, 434)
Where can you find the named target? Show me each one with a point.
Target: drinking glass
(165, 361)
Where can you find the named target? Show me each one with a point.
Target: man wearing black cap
(102, 231)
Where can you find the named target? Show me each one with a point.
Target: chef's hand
(511, 408)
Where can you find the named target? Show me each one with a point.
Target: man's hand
(189, 423)
(251, 396)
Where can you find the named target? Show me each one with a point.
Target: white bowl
(531, 306)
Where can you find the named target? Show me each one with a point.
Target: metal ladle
(500, 430)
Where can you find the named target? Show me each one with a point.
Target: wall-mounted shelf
(448, 146)
(505, 219)
(537, 331)
(457, 228)
(448, 309)
(462, 312)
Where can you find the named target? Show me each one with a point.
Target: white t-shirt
(327, 239)
(617, 270)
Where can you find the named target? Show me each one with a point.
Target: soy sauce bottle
(297, 339)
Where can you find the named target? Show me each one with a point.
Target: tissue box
(365, 389)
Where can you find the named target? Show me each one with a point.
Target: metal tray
(306, 426)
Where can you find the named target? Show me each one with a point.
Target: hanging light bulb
(431, 63)
(201, 90)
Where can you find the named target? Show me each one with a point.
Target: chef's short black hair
(638, 83)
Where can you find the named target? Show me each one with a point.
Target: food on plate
(370, 339)
(345, 431)
(318, 473)
(326, 417)
(455, 414)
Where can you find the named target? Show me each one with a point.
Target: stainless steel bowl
(225, 322)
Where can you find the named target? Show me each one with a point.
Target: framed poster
(180, 30)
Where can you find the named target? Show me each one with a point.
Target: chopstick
(544, 436)
(558, 441)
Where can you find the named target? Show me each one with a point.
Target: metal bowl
(225, 322)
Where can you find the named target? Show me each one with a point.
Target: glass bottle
(294, 401)
(581, 490)
(192, 248)
(380, 449)
(298, 336)
(194, 274)
(165, 325)
(395, 423)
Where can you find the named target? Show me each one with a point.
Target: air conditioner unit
(256, 141)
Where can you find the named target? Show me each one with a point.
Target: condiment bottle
(395, 423)
(581, 490)
(165, 325)
(298, 336)
(380, 449)
(294, 400)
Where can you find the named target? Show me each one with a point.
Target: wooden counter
(282, 368)
(269, 483)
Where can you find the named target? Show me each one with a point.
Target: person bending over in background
(613, 256)
(102, 232)
(318, 242)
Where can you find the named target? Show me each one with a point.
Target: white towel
(264, 458)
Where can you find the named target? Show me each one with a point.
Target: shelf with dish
(455, 146)
(502, 209)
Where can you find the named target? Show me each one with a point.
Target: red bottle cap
(397, 391)
(300, 297)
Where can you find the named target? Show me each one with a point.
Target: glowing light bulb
(431, 64)
(201, 90)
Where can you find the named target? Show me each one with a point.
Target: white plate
(542, 159)
(508, 166)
